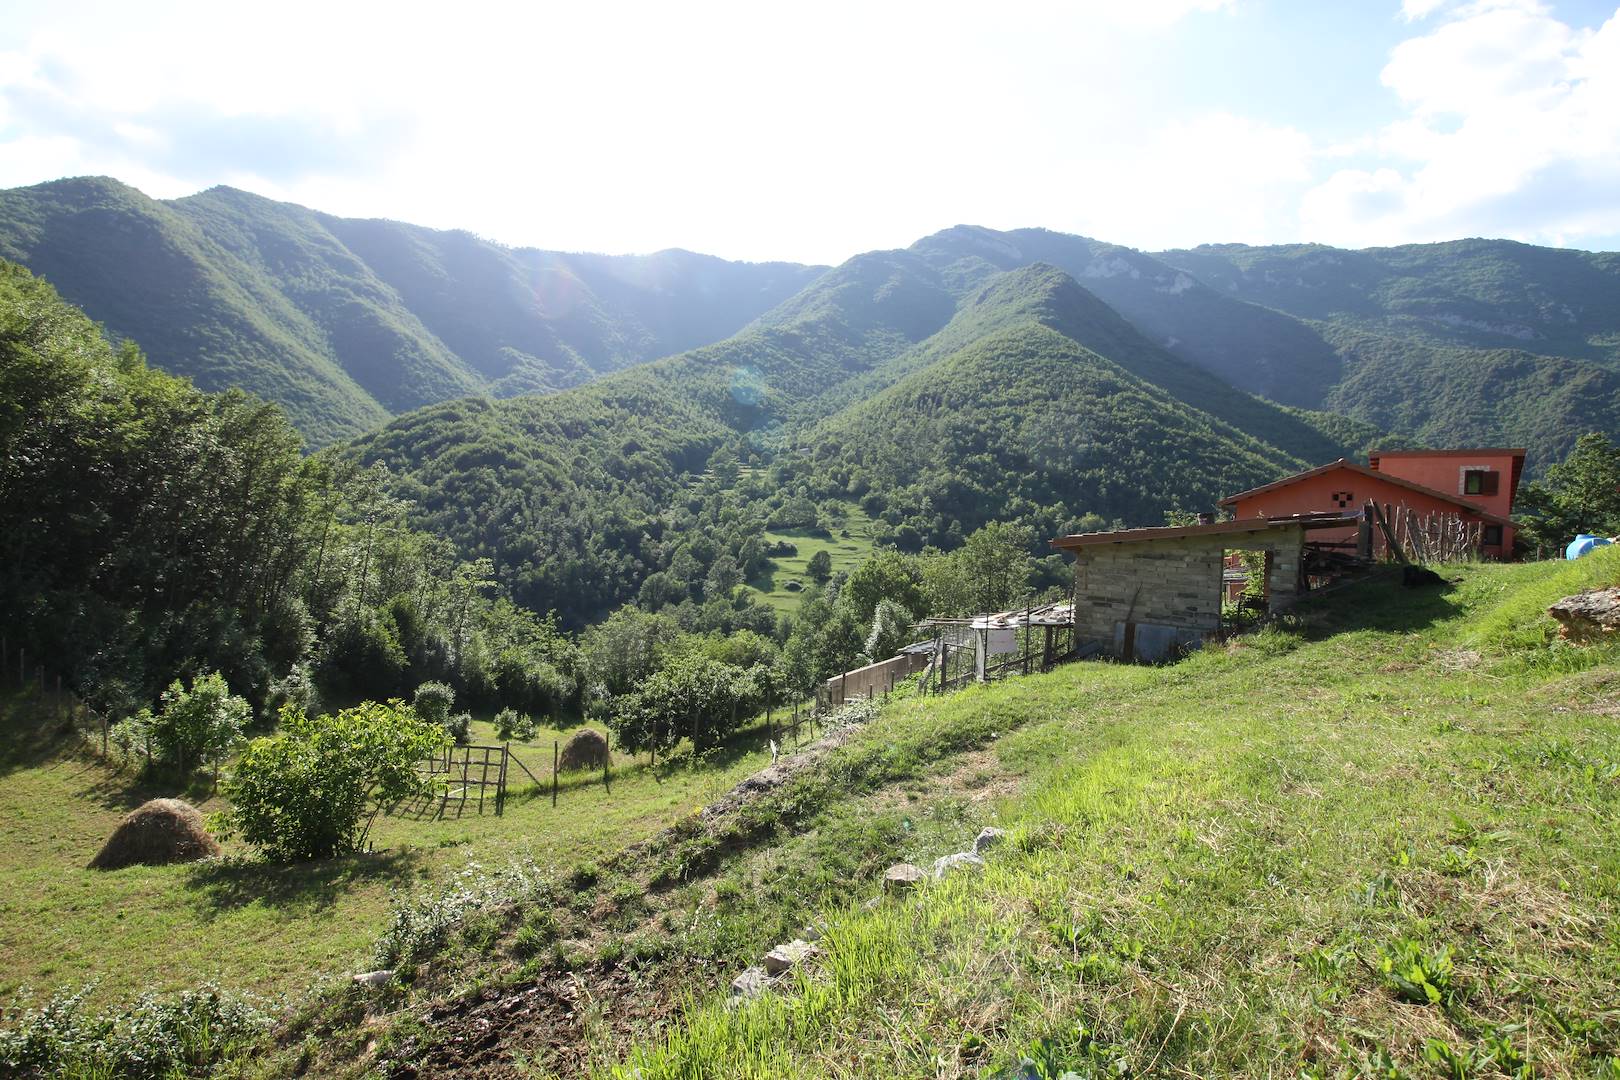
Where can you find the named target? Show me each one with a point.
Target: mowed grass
(1383, 844)
(260, 927)
(846, 553)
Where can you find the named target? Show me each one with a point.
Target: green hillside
(345, 323)
(1035, 402)
(1482, 294)
(1373, 841)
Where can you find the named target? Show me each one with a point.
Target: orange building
(1476, 486)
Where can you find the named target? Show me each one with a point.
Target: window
(1479, 482)
(1492, 536)
(1342, 499)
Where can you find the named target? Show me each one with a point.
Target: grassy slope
(1207, 861)
(265, 928)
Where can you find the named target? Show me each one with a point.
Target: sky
(813, 131)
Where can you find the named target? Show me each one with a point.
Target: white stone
(902, 877)
(946, 863)
(988, 838)
(785, 957)
(751, 983)
(374, 978)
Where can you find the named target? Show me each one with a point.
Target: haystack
(157, 832)
(588, 749)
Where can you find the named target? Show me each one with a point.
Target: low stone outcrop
(1589, 617)
(903, 877)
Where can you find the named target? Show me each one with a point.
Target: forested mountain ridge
(1034, 403)
(1479, 294)
(347, 322)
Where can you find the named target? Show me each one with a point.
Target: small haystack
(157, 832)
(588, 749)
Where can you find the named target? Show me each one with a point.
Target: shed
(1149, 594)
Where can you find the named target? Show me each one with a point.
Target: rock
(988, 838)
(1586, 618)
(375, 979)
(903, 877)
(946, 863)
(785, 957)
(872, 904)
(814, 930)
(751, 983)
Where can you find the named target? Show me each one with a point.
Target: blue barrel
(1584, 543)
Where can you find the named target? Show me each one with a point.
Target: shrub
(314, 790)
(459, 728)
(433, 702)
(191, 727)
(180, 1036)
(509, 724)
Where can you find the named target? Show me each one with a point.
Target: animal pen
(988, 647)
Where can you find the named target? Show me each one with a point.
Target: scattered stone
(157, 832)
(1587, 618)
(946, 863)
(751, 983)
(785, 957)
(815, 929)
(872, 904)
(375, 979)
(903, 877)
(988, 838)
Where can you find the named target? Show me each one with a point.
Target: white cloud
(1414, 10)
(1512, 128)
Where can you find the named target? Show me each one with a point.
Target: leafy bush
(191, 727)
(181, 1036)
(433, 702)
(691, 697)
(459, 728)
(314, 790)
(510, 725)
(419, 925)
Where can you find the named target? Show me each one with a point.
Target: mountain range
(554, 412)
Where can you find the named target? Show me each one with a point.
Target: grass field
(1382, 845)
(266, 928)
(846, 553)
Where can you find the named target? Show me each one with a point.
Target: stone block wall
(1169, 590)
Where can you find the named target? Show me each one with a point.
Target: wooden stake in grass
(553, 772)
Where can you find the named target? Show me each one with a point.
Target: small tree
(313, 791)
(891, 630)
(433, 702)
(191, 727)
(510, 724)
(819, 567)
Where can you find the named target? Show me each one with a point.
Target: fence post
(553, 772)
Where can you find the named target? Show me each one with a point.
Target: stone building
(1151, 594)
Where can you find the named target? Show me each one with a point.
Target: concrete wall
(1149, 599)
(873, 679)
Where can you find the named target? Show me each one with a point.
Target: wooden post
(500, 790)
(553, 772)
